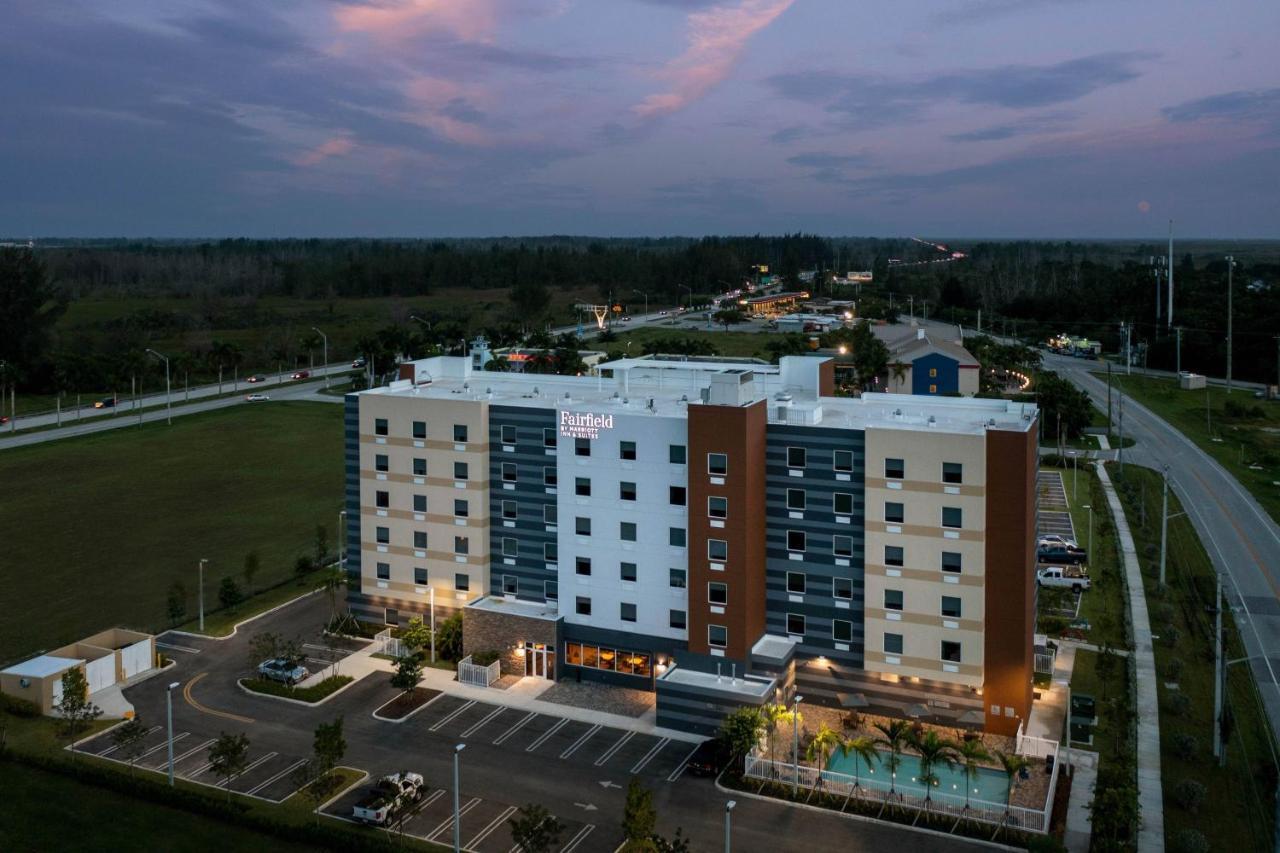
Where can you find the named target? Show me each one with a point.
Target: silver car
(279, 669)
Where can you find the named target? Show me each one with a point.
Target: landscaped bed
(314, 693)
(406, 703)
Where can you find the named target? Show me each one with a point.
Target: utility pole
(1128, 349)
(911, 306)
(201, 588)
(1231, 262)
(1108, 399)
(1179, 361)
(1164, 526)
(1218, 752)
(1169, 313)
(1120, 452)
(979, 321)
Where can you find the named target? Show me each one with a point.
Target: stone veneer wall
(485, 630)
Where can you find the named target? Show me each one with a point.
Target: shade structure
(852, 700)
(918, 710)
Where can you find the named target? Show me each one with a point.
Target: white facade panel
(136, 658)
(101, 673)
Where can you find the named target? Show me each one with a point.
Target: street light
(690, 289)
(1090, 508)
(201, 590)
(795, 756)
(457, 824)
(168, 707)
(169, 420)
(646, 300)
(728, 810)
(325, 357)
(1231, 263)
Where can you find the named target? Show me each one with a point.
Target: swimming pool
(988, 784)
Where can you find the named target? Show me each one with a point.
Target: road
(1241, 539)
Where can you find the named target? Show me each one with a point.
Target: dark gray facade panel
(351, 461)
(529, 455)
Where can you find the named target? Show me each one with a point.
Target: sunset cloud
(398, 20)
(333, 147)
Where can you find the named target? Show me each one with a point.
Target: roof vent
(466, 386)
(897, 413)
(566, 395)
(535, 390)
(932, 420)
(652, 408)
(488, 391)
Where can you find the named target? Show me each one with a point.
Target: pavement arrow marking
(588, 807)
(606, 784)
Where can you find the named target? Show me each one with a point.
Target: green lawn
(97, 528)
(1240, 802)
(1248, 447)
(1086, 680)
(740, 344)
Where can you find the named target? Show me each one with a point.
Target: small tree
(535, 830)
(251, 565)
(895, 737)
(933, 750)
(302, 567)
(228, 757)
(291, 651)
(415, 635)
(729, 317)
(741, 730)
(229, 594)
(407, 675)
(449, 638)
(824, 740)
(317, 787)
(861, 748)
(329, 746)
(334, 580)
(639, 819)
(971, 753)
(176, 603)
(128, 740)
(322, 545)
(1013, 765)
(263, 647)
(74, 706)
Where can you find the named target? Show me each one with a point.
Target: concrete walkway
(1147, 706)
(1079, 830)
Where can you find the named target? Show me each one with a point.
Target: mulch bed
(403, 706)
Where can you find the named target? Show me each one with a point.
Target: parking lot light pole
(167, 417)
(325, 340)
(1090, 508)
(433, 624)
(795, 756)
(457, 824)
(728, 811)
(201, 591)
(168, 707)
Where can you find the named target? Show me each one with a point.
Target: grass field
(95, 530)
(735, 343)
(1247, 447)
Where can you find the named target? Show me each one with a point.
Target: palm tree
(824, 740)
(971, 753)
(860, 747)
(934, 750)
(773, 715)
(895, 737)
(1013, 765)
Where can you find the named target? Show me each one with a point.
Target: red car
(257, 377)
(301, 374)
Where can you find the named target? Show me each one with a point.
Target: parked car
(1063, 577)
(384, 800)
(284, 671)
(256, 378)
(105, 403)
(709, 758)
(359, 362)
(256, 398)
(1063, 554)
(301, 374)
(1053, 539)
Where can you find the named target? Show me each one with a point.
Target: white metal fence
(389, 645)
(477, 675)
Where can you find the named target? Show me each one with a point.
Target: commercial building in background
(931, 366)
(721, 533)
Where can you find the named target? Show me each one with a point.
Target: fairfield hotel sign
(583, 424)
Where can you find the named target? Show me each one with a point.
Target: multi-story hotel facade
(720, 533)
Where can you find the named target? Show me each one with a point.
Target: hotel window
(582, 565)
(614, 660)
(626, 491)
(550, 552)
(717, 550)
(391, 616)
(419, 429)
(420, 576)
(419, 467)
(678, 620)
(842, 588)
(582, 447)
(933, 389)
(892, 644)
(419, 503)
(459, 470)
(510, 510)
(676, 495)
(461, 509)
(383, 535)
(893, 599)
(933, 373)
(582, 606)
(550, 514)
(549, 477)
(796, 499)
(582, 526)
(795, 624)
(951, 606)
(842, 546)
(893, 513)
(627, 571)
(796, 457)
(717, 593)
(510, 546)
(676, 454)
(796, 582)
(717, 464)
(952, 472)
(842, 630)
(717, 507)
(384, 571)
(627, 612)
(582, 487)
(380, 462)
(627, 450)
(508, 434)
(380, 426)
(894, 469)
(951, 516)
(460, 433)
(717, 636)
(951, 561)
(382, 500)
(627, 531)
(950, 651)
(678, 578)
(510, 585)
(461, 545)
(796, 540)
(893, 555)
(551, 590)
(461, 581)
(843, 502)
(842, 460)
(676, 537)
(420, 539)
(548, 437)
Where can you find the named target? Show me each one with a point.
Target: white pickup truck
(1073, 578)
(387, 798)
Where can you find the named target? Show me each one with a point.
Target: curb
(236, 626)
(354, 681)
(430, 701)
(364, 777)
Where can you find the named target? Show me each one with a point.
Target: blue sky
(1014, 118)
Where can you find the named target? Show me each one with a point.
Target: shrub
(18, 707)
(1189, 794)
(485, 658)
(1185, 746)
(1173, 669)
(314, 693)
(1162, 614)
(1171, 635)
(229, 594)
(1189, 841)
(1177, 703)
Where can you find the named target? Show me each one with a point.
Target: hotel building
(720, 533)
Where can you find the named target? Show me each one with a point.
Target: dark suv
(1061, 555)
(709, 758)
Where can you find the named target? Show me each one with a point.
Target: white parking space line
(675, 774)
(578, 839)
(611, 751)
(573, 747)
(225, 782)
(542, 738)
(448, 822)
(448, 718)
(112, 749)
(319, 662)
(514, 728)
(156, 749)
(177, 648)
(649, 756)
(193, 750)
(488, 830)
(278, 776)
(476, 727)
